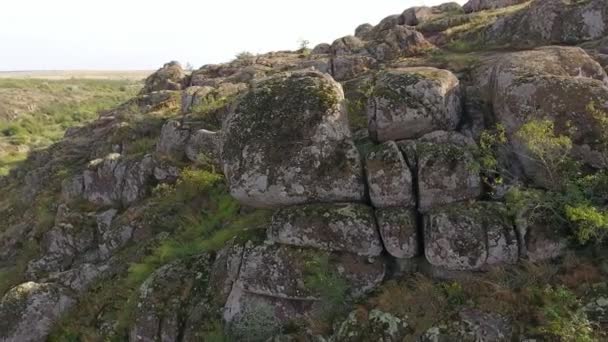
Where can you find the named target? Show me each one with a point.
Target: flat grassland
(134, 75)
(36, 108)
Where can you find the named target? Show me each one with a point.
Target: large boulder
(445, 168)
(170, 77)
(547, 22)
(467, 236)
(348, 45)
(414, 16)
(388, 177)
(409, 102)
(550, 83)
(114, 180)
(29, 311)
(169, 299)
(172, 140)
(331, 227)
(281, 278)
(481, 5)
(398, 41)
(399, 230)
(288, 142)
(348, 67)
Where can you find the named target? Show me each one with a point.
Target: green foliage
(330, 287)
(201, 216)
(62, 104)
(544, 147)
(564, 317)
(573, 201)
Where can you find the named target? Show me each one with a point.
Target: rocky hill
(440, 176)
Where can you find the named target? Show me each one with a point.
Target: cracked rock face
(388, 177)
(288, 142)
(467, 236)
(409, 102)
(170, 299)
(279, 277)
(445, 168)
(344, 227)
(32, 302)
(399, 231)
(113, 180)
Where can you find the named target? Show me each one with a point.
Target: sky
(144, 34)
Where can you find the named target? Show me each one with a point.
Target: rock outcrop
(331, 227)
(170, 77)
(288, 142)
(29, 311)
(409, 102)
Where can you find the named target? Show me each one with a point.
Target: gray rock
(305, 153)
(172, 140)
(170, 77)
(348, 67)
(551, 22)
(467, 236)
(389, 177)
(445, 167)
(321, 49)
(399, 230)
(331, 227)
(348, 45)
(455, 238)
(165, 298)
(363, 31)
(72, 188)
(80, 278)
(410, 102)
(114, 180)
(203, 147)
(29, 311)
(398, 41)
(274, 281)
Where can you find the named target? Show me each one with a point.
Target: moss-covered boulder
(388, 177)
(409, 102)
(170, 77)
(173, 303)
(445, 168)
(399, 230)
(546, 22)
(288, 142)
(558, 84)
(331, 227)
(467, 236)
(29, 311)
(398, 41)
(346, 67)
